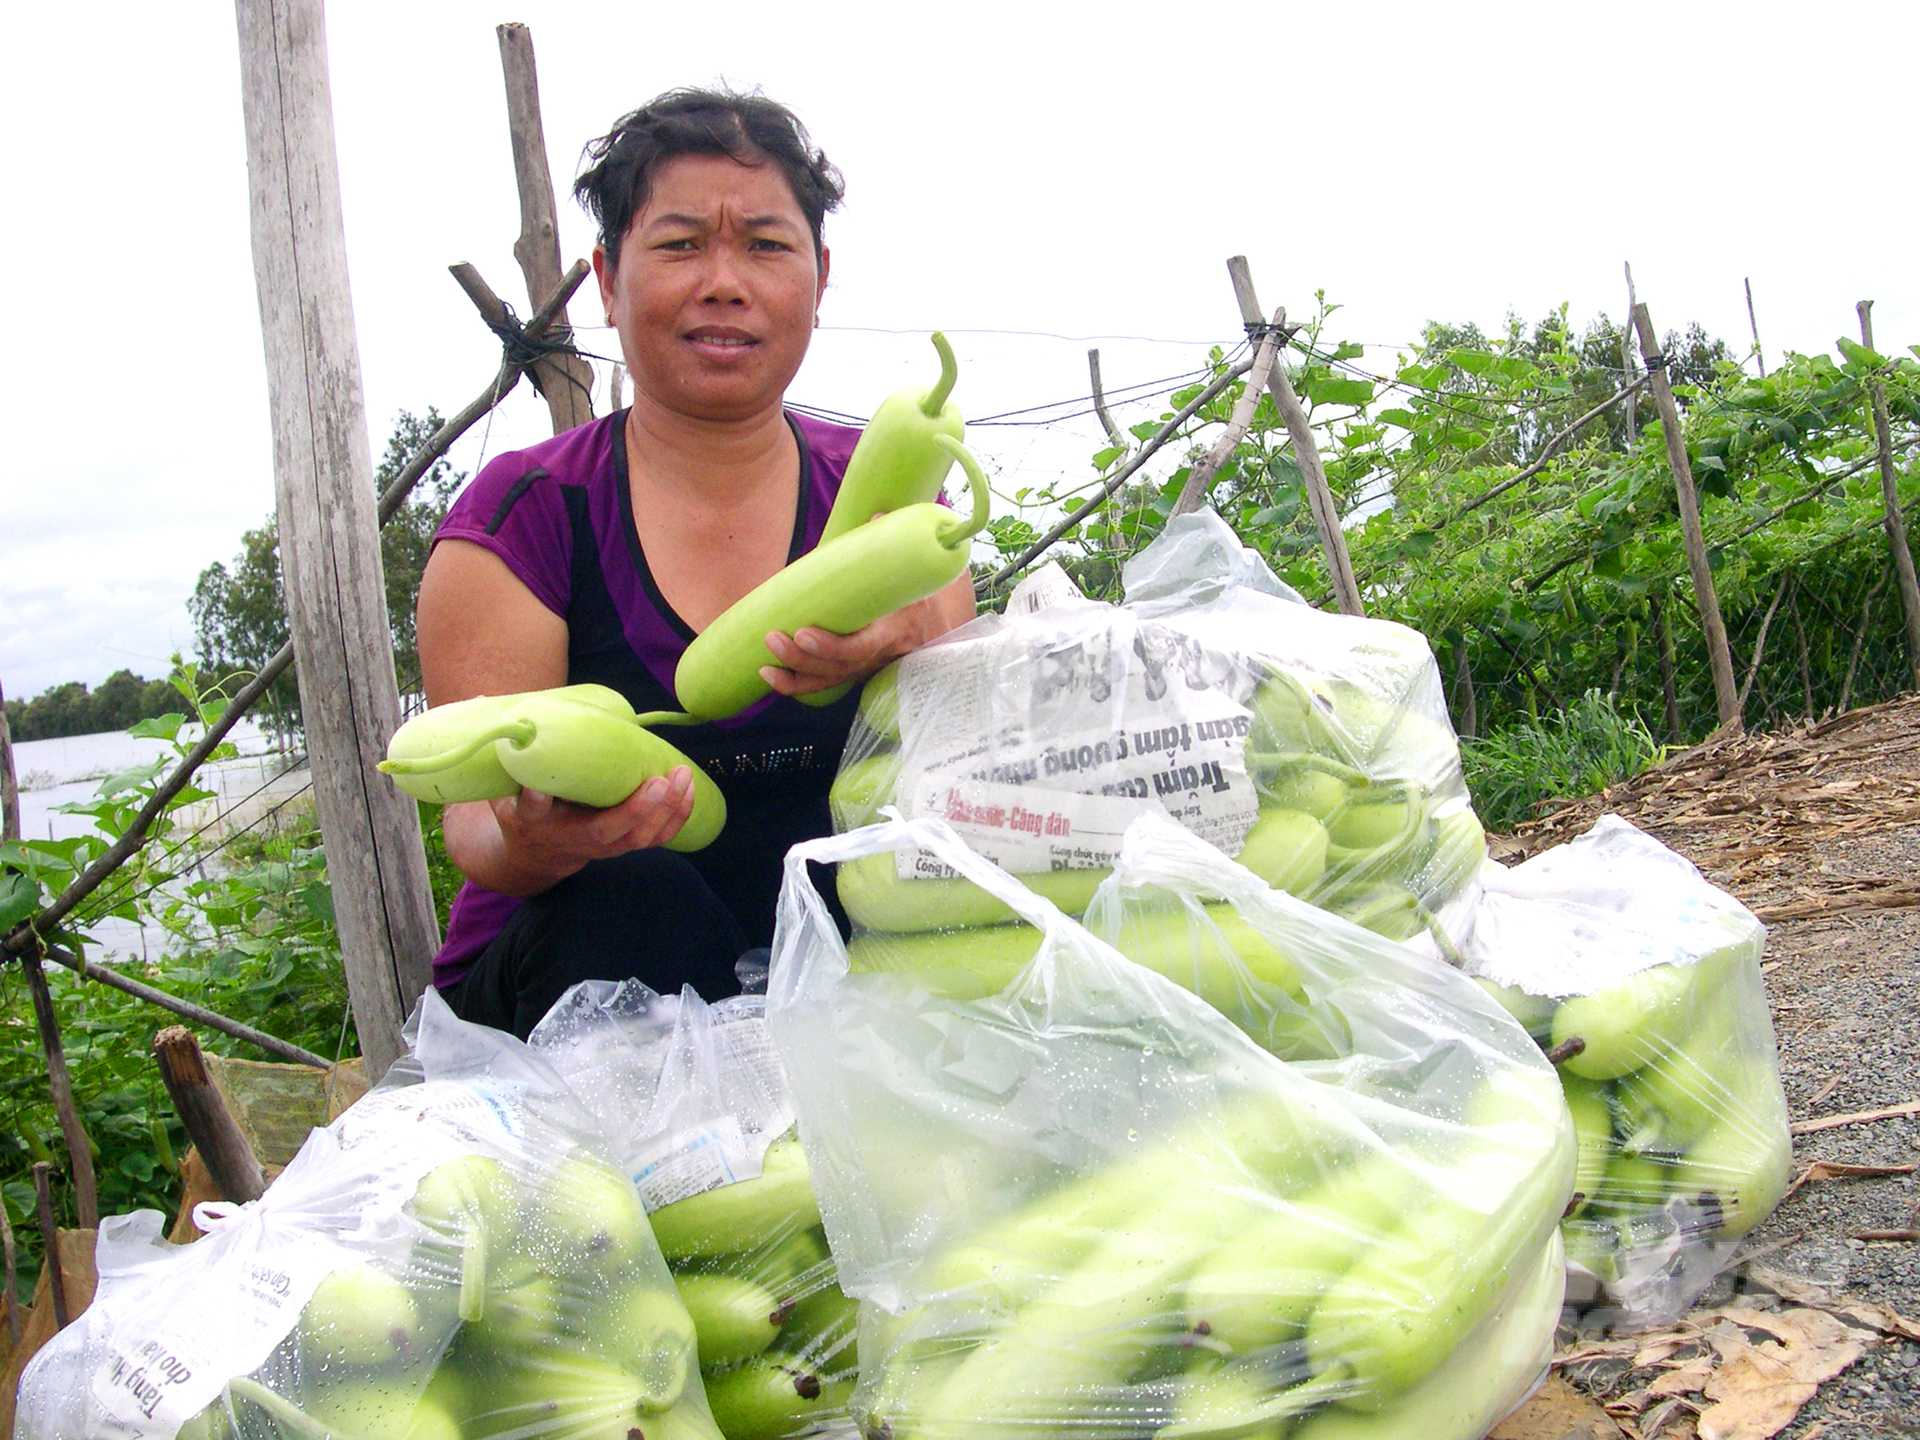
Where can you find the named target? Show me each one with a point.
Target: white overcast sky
(1032, 178)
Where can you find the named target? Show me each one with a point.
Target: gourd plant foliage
(248, 926)
(1565, 582)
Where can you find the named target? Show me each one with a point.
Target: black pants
(646, 915)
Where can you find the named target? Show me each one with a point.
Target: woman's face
(714, 293)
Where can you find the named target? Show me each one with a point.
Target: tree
(240, 614)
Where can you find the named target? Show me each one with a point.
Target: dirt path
(1818, 831)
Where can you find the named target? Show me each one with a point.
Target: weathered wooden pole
(59, 1081)
(1326, 515)
(1896, 522)
(329, 535)
(230, 1161)
(9, 787)
(1719, 654)
(50, 1240)
(1200, 477)
(566, 381)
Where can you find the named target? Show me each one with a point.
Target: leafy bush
(1594, 743)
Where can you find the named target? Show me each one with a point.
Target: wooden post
(1626, 357)
(50, 1239)
(1200, 478)
(9, 786)
(86, 1194)
(1719, 656)
(230, 1161)
(1116, 538)
(566, 381)
(1753, 324)
(1890, 496)
(10, 1278)
(1326, 516)
(329, 536)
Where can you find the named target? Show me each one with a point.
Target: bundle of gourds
(775, 1334)
(1361, 808)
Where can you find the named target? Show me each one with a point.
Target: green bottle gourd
(576, 750)
(842, 585)
(897, 462)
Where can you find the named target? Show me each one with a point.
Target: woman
(598, 555)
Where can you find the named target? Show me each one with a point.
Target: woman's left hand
(815, 659)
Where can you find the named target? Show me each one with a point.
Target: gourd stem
(936, 400)
(518, 731)
(955, 531)
(283, 1411)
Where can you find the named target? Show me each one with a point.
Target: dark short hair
(750, 128)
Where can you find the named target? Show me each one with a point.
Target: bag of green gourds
(1312, 747)
(1644, 981)
(697, 1111)
(1077, 1198)
(452, 1259)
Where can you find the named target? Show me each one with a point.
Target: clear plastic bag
(452, 1257)
(1647, 979)
(697, 1111)
(1315, 748)
(1075, 1197)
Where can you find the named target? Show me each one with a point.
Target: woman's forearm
(480, 850)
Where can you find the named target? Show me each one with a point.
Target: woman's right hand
(542, 841)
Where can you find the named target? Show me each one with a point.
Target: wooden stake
(86, 1195)
(1116, 539)
(1719, 657)
(1890, 497)
(329, 531)
(1760, 641)
(9, 789)
(1626, 357)
(1326, 515)
(1120, 477)
(566, 381)
(11, 1263)
(1759, 356)
(230, 1161)
(1860, 640)
(1114, 432)
(1200, 478)
(50, 1239)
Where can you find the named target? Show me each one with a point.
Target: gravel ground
(1821, 818)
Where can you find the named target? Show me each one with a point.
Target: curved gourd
(841, 586)
(897, 461)
(574, 750)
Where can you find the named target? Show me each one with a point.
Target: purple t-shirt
(527, 507)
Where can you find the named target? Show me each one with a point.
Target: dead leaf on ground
(1557, 1411)
(1758, 1387)
(1869, 1313)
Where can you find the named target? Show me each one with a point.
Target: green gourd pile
(775, 1335)
(531, 1304)
(1351, 817)
(1672, 1079)
(1277, 1272)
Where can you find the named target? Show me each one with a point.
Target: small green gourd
(897, 462)
(841, 586)
(478, 777)
(573, 748)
